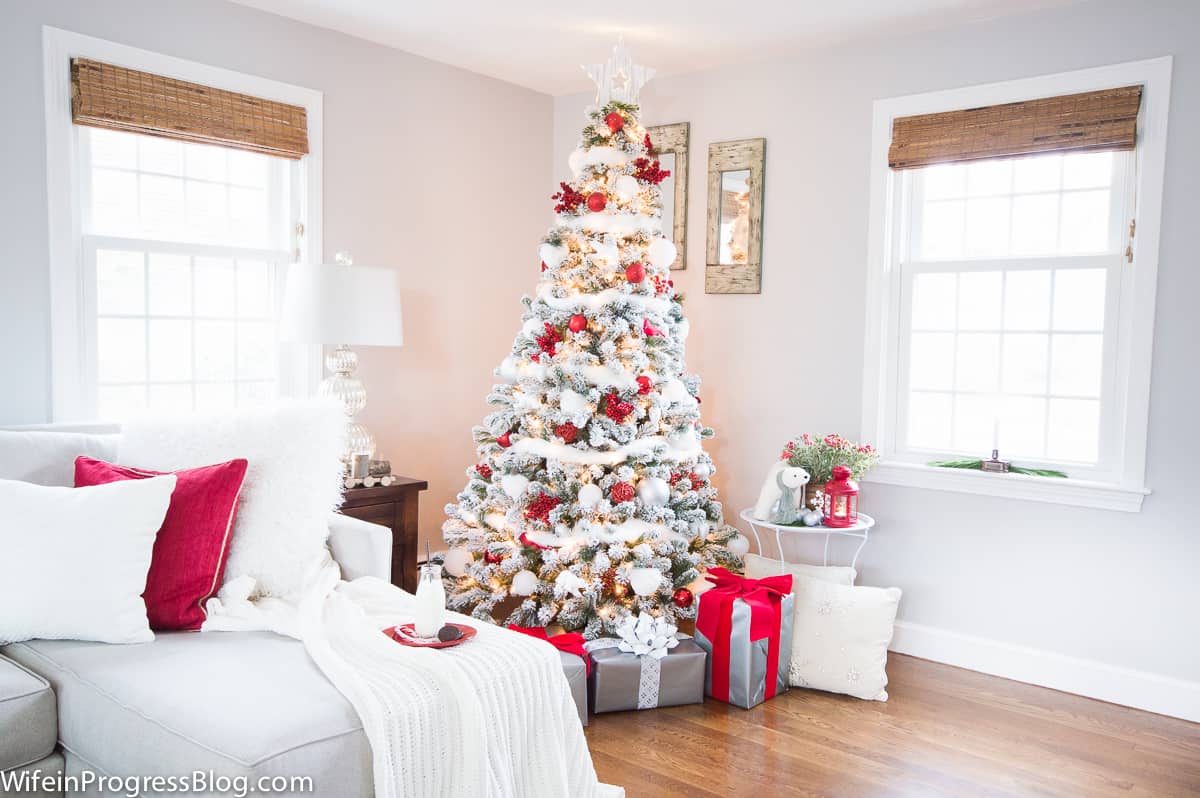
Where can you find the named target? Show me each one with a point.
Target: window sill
(1074, 492)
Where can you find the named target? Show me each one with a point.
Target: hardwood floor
(944, 732)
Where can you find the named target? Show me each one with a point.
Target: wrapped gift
(745, 625)
(658, 670)
(575, 662)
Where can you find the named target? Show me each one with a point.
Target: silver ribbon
(651, 671)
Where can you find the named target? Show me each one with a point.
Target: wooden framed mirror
(735, 210)
(671, 148)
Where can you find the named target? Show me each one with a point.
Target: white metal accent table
(861, 531)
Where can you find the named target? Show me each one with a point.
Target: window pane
(945, 181)
(118, 402)
(248, 216)
(207, 211)
(1038, 173)
(205, 161)
(929, 416)
(1025, 363)
(121, 344)
(974, 423)
(120, 283)
(170, 350)
(934, 301)
(988, 226)
(1022, 426)
(1085, 221)
(1027, 300)
(170, 285)
(1087, 170)
(1077, 365)
(988, 178)
(979, 300)
(215, 351)
(256, 350)
(1035, 224)
(1079, 299)
(112, 148)
(248, 168)
(977, 366)
(114, 202)
(1073, 430)
(215, 282)
(162, 206)
(171, 398)
(254, 290)
(215, 396)
(163, 156)
(942, 230)
(932, 361)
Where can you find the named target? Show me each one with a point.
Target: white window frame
(72, 340)
(1121, 486)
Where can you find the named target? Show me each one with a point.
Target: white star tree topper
(618, 78)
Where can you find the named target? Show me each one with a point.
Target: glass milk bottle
(431, 602)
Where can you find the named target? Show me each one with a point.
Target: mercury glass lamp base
(349, 390)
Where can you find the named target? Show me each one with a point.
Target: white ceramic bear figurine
(780, 479)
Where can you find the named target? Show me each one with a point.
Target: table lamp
(343, 305)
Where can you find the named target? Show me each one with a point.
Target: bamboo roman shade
(1088, 122)
(108, 96)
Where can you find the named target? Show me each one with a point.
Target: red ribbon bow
(570, 642)
(764, 597)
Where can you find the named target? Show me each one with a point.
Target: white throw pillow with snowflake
(841, 636)
(759, 567)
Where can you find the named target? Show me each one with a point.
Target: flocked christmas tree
(591, 497)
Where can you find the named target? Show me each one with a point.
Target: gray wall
(404, 136)
(1113, 588)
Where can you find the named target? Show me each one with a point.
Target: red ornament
(484, 471)
(544, 267)
(568, 432)
(649, 329)
(645, 385)
(539, 509)
(841, 499)
(614, 121)
(617, 408)
(596, 201)
(635, 272)
(683, 598)
(568, 199)
(505, 440)
(621, 492)
(578, 323)
(491, 559)
(525, 541)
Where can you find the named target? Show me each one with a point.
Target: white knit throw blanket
(492, 717)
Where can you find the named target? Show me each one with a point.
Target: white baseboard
(1149, 691)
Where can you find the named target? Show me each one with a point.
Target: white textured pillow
(75, 559)
(758, 567)
(293, 481)
(840, 637)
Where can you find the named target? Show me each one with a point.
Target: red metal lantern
(841, 499)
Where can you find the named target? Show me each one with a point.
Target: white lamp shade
(353, 305)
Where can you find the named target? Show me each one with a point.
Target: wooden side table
(395, 507)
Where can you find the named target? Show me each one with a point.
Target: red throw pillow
(193, 543)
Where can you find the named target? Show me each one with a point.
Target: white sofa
(243, 705)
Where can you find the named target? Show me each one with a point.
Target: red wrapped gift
(746, 627)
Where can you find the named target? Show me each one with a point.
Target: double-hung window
(1009, 309)
(179, 195)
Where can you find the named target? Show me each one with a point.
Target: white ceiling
(540, 45)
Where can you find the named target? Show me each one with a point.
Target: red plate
(405, 636)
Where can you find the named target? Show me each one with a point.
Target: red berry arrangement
(614, 121)
(539, 509)
(649, 171)
(648, 144)
(617, 408)
(484, 471)
(621, 492)
(548, 342)
(568, 432)
(568, 199)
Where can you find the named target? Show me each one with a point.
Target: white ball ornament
(661, 253)
(590, 495)
(654, 491)
(553, 255)
(812, 518)
(739, 545)
(572, 403)
(455, 561)
(682, 440)
(645, 581)
(495, 520)
(575, 161)
(675, 391)
(626, 187)
(514, 485)
(523, 583)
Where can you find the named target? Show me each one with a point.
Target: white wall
(1109, 592)
(439, 172)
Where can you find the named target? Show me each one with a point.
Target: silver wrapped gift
(575, 670)
(747, 658)
(622, 681)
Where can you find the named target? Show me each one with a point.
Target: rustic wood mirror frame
(674, 139)
(730, 156)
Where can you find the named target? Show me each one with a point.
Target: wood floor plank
(945, 732)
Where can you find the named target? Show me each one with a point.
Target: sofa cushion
(237, 703)
(48, 458)
(28, 716)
